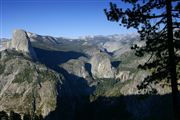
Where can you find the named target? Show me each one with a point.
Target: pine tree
(3, 115)
(158, 23)
(14, 116)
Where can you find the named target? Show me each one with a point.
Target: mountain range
(91, 77)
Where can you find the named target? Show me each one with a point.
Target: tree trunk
(172, 60)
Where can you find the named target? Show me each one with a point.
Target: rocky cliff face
(91, 51)
(124, 75)
(76, 67)
(26, 86)
(21, 42)
(113, 46)
(101, 66)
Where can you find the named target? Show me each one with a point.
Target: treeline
(16, 116)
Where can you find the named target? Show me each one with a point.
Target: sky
(66, 18)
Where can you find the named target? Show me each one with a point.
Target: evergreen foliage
(158, 24)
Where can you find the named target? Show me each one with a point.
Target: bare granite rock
(25, 84)
(21, 43)
(76, 67)
(101, 66)
(124, 75)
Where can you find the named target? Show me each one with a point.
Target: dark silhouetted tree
(158, 23)
(30, 117)
(26, 117)
(3, 115)
(14, 116)
(40, 117)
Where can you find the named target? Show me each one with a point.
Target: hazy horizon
(70, 37)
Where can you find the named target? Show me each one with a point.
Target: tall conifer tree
(158, 23)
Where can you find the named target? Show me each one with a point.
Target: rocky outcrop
(76, 67)
(26, 86)
(124, 76)
(91, 51)
(101, 66)
(4, 45)
(21, 42)
(112, 46)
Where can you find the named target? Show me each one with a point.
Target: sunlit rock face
(76, 67)
(25, 84)
(91, 51)
(4, 44)
(101, 66)
(21, 42)
(123, 75)
(112, 46)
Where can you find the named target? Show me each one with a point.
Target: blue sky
(68, 18)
